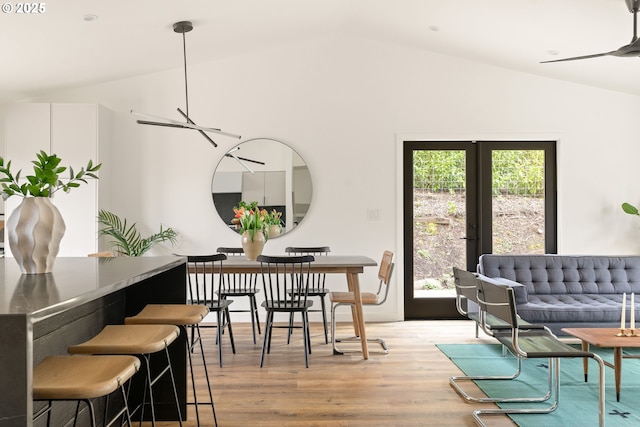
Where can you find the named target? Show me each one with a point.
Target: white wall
(342, 103)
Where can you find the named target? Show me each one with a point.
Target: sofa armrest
(519, 290)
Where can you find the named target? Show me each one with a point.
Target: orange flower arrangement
(250, 218)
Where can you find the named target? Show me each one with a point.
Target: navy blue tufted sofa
(562, 291)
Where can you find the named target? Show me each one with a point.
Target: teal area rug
(578, 400)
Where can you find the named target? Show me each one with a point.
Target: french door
(465, 198)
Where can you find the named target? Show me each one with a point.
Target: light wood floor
(407, 387)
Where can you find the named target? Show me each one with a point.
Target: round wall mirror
(265, 171)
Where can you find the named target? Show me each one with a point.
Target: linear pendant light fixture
(183, 27)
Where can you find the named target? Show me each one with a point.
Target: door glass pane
(518, 201)
(439, 220)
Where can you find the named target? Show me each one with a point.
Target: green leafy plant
(45, 179)
(630, 209)
(127, 239)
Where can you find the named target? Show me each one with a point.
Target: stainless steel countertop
(73, 281)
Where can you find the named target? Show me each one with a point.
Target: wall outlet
(373, 214)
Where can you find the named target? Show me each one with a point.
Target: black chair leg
(290, 328)
(307, 339)
(254, 314)
(255, 310)
(233, 344)
(266, 341)
(219, 328)
(324, 319)
(305, 315)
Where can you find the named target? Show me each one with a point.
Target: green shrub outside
(514, 171)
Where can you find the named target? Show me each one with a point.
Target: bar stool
(139, 340)
(83, 378)
(183, 316)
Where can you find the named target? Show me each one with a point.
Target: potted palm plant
(127, 240)
(35, 228)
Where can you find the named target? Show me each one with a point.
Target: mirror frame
(287, 185)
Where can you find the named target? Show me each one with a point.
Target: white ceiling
(58, 49)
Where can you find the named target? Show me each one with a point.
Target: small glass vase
(253, 248)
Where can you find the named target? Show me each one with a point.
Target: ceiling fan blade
(575, 58)
(630, 50)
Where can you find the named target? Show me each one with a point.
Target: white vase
(274, 230)
(35, 229)
(253, 248)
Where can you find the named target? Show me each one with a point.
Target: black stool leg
(173, 383)
(206, 374)
(189, 352)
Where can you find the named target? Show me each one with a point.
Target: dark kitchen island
(42, 314)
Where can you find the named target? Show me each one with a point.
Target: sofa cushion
(571, 308)
(565, 274)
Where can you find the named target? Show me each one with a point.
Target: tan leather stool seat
(81, 377)
(140, 340)
(128, 339)
(171, 314)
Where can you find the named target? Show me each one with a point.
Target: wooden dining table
(350, 265)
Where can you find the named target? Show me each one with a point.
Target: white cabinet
(266, 188)
(76, 133)
(28, 130)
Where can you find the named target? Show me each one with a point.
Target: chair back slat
(386, 266)
(201, 277)
(234, 283)
(384, 274)
(317, 280)
(280, 274)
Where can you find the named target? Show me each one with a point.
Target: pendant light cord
(186, 86)
(184, 27)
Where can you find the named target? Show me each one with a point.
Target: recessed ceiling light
(90, 17)
(433, 28)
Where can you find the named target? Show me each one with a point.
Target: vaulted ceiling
(60, 48)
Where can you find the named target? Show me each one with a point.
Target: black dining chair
(317, 285)
(202, 290)
(280, 274)
(241, 285)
